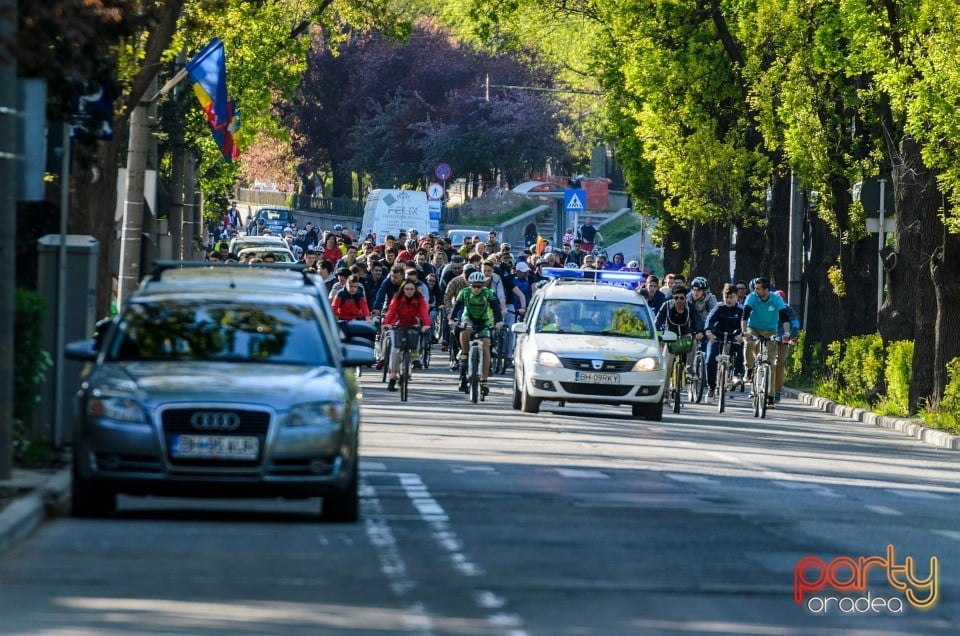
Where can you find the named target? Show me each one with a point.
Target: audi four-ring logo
(215, 421)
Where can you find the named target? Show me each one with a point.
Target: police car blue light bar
(625, 279)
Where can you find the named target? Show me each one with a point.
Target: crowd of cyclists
(423, 289)
(745, 313)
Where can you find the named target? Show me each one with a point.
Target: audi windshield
(218, 330)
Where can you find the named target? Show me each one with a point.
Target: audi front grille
(227, 422)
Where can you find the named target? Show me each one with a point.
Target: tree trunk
(916, 202)
(709, 253)
(776, 253)
(342, 179)
(822, 324)
(945, 273)
(750, 249)
(676, 247)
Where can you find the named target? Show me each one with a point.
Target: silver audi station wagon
(225, 382)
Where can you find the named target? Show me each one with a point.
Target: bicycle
(723, 372)
(679, 348)
(405, 364)
(762, 377)
(426, 348)
(474, 364)
(697, 380)
(498, 352)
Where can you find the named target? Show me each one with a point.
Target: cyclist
(724, 319)
(388, 289)
(477, 308)
(763, 313)
(588, 234)
(350, 303)
(674, 316)
(407, 316)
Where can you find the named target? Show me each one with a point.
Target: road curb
(21, 517)
(911, 428)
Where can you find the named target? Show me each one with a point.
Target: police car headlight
(549, 359)
(316, 414)
(647, 364)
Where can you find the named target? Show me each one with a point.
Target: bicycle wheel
(476, 360)
(678, 381)
(764, 372)
(502, 352)
(721, 390)
(386, 357)
(404, 375)
(698, 379)
(426, 349)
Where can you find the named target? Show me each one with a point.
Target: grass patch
(620, 228)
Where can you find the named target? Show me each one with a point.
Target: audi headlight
(119, 408)
(322, 414)
(647, 364)
(549, 359)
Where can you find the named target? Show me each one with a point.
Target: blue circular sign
(443, 171)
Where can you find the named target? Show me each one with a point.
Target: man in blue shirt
(763, 314)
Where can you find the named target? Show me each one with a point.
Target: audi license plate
(597, 378)
(215, 447)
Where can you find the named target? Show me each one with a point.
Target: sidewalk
(27, 498)
(31, 495)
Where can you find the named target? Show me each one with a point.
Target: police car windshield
(594, 317)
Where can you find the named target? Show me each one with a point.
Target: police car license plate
(597, 378)
(214, 447)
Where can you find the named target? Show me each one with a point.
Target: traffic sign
(574, 200)
(434, 191)
(443, 171)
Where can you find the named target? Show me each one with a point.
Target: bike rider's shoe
(484, 388)
(392, 384)
(455, 365)
(776, 397)
(444, 346)
(463, 383)
(711, 394)
(417, 363)
(380, 364)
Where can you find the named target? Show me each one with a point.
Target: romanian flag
(541, 245)
(208, 70)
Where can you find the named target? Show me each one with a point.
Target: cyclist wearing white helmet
(477, 308)
(700, 300)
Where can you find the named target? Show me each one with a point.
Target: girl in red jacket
(408, 315)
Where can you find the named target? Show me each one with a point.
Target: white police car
(589, 337)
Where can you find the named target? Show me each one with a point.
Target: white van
(389, 211)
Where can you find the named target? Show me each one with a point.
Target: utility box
(79, 322)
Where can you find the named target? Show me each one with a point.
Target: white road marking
(950, 534)
(727, 458)
(488, 600)
(369, 466)
(573, 473)
(691, 479)
(417, 620)
(435, 516)
(457, 469)
(883, 510)
(916, 494)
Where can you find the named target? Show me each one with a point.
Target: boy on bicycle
(477, 308)
(763, 314)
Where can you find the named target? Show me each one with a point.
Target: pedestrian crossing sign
(574, 200)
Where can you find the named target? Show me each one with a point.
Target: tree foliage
(418, 103)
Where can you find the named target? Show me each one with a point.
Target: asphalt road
(478, 519)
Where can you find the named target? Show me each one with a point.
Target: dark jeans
(713, 350)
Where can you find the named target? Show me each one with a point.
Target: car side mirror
(81, 350)
(518, 327)
(357, 355)
(668, 336)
